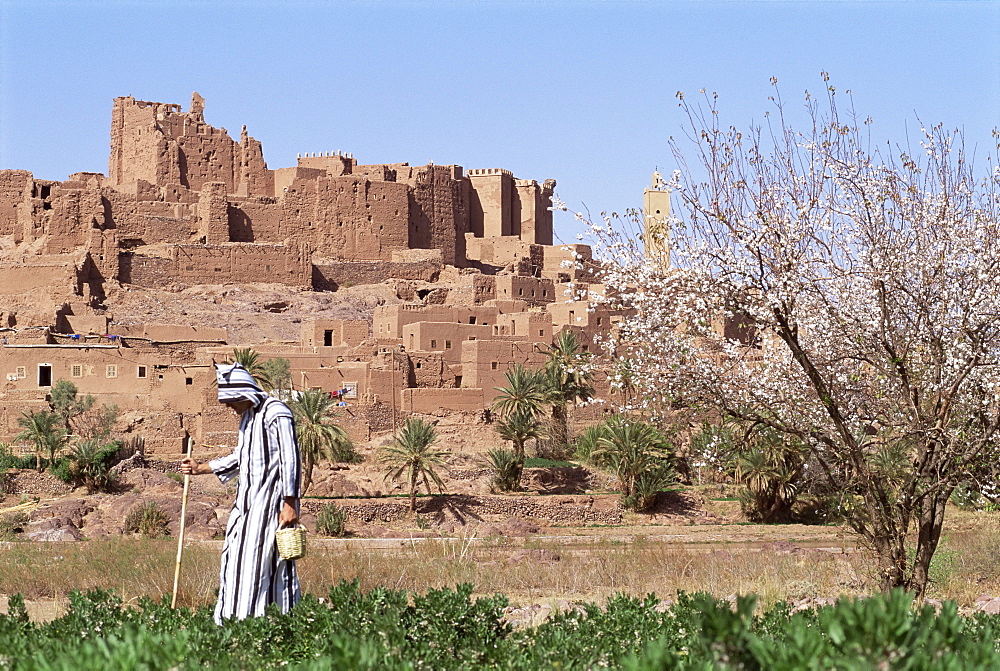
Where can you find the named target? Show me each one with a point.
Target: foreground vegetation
(447, 629)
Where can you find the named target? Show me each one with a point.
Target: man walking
(266, 459)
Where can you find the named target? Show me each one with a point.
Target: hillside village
(403, 288)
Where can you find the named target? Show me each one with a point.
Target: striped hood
(236, 384)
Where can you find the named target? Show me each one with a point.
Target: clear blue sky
(582, 92)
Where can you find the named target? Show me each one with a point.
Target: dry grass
(592, 572)
(967, 565)
(132, 567)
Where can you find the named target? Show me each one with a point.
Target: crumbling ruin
(479, 283)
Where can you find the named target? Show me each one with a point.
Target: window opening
(44, 375)
(328, 338)
(141, 371)
(111, 370)
(76, 370)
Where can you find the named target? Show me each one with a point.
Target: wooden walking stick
(180, 535)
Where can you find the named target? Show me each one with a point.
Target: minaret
(656, 208)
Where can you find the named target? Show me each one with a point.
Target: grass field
(527, 570)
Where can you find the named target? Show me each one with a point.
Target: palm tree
(519, 427)
(567, 380)
(318, 437)
(43, 429)
(639, 455)
(249, 359)
(524, 392)
(770, 468)
(410, 456)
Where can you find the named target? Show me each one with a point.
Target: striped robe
(267, 461)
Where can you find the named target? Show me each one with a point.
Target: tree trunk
(891, 558)
(560, 430)
(928, 536)
(307, 472)
(519, 451)
(413, 492)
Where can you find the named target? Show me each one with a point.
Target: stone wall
(145, 271)
(571, 510)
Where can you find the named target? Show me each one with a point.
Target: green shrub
(506, 468)
(148, 520)
(6, 456)
(89, 464)
(448, 629)
(331, 521)
(10, 460)
(61, 469)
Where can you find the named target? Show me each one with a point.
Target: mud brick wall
(140, 220)
(217, 264)
(346, 217)
(256, 219)
(14, 185)
(330, 276)
(439, 212)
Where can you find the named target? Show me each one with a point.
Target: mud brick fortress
(480, 286)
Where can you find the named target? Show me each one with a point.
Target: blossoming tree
(866, 280)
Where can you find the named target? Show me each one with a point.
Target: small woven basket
(291, 542)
